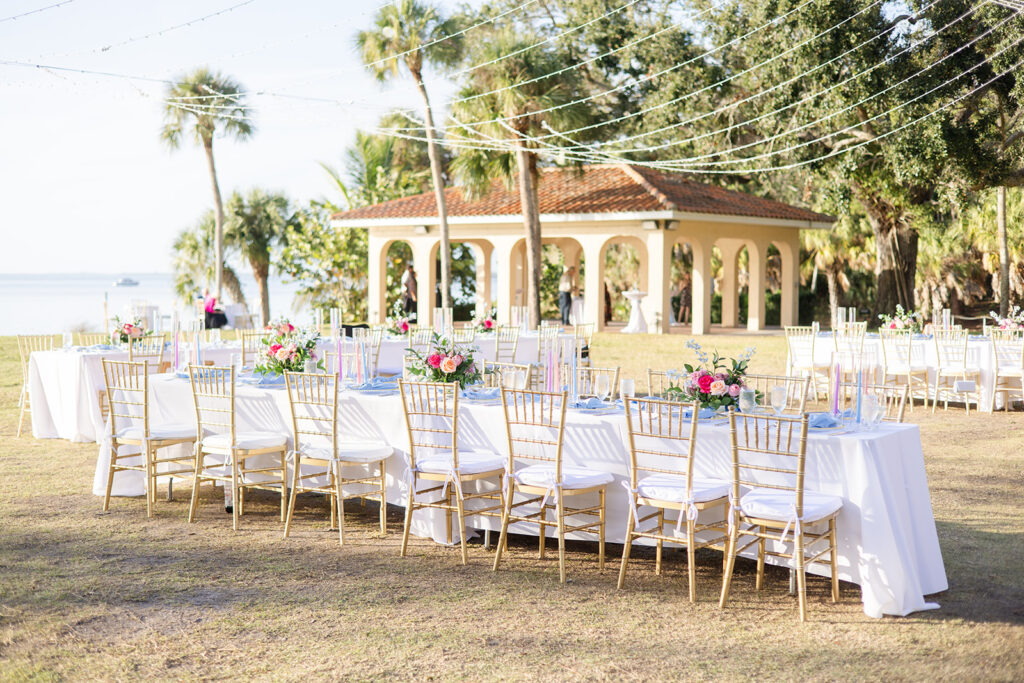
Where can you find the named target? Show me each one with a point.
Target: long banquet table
(886, 532)
(64, 384)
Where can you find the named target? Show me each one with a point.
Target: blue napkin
(481, 394)
(269, 379)
(825, 420)
(592, 403)
(378, 383)
(102, 347)
(702, 414)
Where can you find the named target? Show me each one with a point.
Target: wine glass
(778, 399)
(747, 400)
(627, 388)
(68, 342)
(602, 387)
(520, 379)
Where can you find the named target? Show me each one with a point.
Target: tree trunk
(832, 280)
(527, 164)
(442, 207)
(261, 273)
(218, 221)
(233, 286)
(1004, 252)
(896, 255)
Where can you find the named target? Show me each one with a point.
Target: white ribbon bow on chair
(632, 502)
(691, 513)
(452, 476)
(793, 521)
(734, 506)
(409, 477)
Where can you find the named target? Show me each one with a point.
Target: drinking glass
(868, 409)
(748, 399)
(215, 336)
(627, 388)
(778, 399)
(236, 362)
(602, 387)
(68, 340)
(309, 365)
(520, 379)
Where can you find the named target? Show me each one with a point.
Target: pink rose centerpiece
(445, 362)
(397, 322)
(1013, 321)
(126, 331)
(286, 347)
(487, 323)
(901, 320)
(715, 383)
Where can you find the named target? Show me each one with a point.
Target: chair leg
(147, 454)
(236, 496)
(383, 501)
(408, 517)
(291, 499)
(542, 536)
(834, 560)
(657, 553)
(505, 515)
(333, 502)
(626, 547)
(170, 489)
(759, 581)
(801, 577)
(462, 528)
(339, 492)
(730, 561)
(691, 559)
(23, 402)
(560, 509)
(110, 477)
(448, 517)
(600, 537)
(284, 487)
(196, 481)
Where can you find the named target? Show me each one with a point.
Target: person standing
(566, 285)
(409, 291)
(685, 297)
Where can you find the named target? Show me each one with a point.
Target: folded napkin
(702, 414)
(269, 379)
(593, 403)
(101, 347)
(481, 394)
(826, 420)
(378, 383)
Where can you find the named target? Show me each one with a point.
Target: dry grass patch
(87, 595)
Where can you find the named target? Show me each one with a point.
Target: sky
(86, 185)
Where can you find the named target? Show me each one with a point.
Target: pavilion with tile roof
(583, 211)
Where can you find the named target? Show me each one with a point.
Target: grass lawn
(88, 595)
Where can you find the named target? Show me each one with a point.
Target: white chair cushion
(777, 505)
(672, 488)
(175, 430)
(353, 451)
(470, 462)
(246, 440)
(572, 477)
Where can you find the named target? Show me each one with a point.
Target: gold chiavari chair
(951, 351)
(769, 456)
(797, 389)
(904, 363)
(893, 399)
(495, 373)
(223, 452)
(589, 379)
(506, 342)
(662, 443)
(658, 382)
(464, 335)
(252, 343)
(432, 422)
(584, 332)
(421, 339)
(849, 337)
(320, 452)
(535, 422)
(800, 345)
(92, 338)
(27, 345)
(127, 396)
(546, 335)
(149, 349)
(1008, 370)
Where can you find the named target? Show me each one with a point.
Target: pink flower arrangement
(127, 331)
(715, 383)
(287, 349)
(486, 323)
(445, 363)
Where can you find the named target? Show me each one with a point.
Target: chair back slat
(658, 382)
(772, 445)
(898, 349)
(797, 389)
(547, 334)
(800, 341)
(535, 426)
(149, 348)
(29, 344)
(1007, 349)
(127, 387)
(313, 400)
(662, 433)
(587, 378)
(431, 418)
(252, 343)
(464, 335)
(849, 337)
(421, 339)
(92, 338)
(499, 374)
(585, 332)
(893, 397)
(213, 395)
(506, 341)
(951, 348)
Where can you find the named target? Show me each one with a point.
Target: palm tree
(194, 261)
(506, 94)
(256, 223)
(206, 102)
(413, 33)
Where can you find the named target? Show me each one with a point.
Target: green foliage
(193, 263)
(203, 103)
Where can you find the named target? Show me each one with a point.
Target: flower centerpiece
(486, 323)
(1013, 321)
(445, 362)
(901, 320)
(715, 383)
(126, 331)
(397, 322)
(285, 347)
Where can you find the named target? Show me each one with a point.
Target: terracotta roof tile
(593, 189)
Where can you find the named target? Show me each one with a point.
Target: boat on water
(126, 282)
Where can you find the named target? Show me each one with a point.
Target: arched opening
(557, 256)
(464, 280)
(681, 283)
(625, 267)
(773, 286)
(397, 259)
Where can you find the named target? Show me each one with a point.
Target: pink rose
(488, 323)
(274, 348)
(704, 383)
(458, 360)
(404, 326)
(448, 366)
(734, 390)
(281, 354)
(717, 388)
(721, 375)
(434, 360)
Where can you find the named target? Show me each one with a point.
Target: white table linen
(886, 532)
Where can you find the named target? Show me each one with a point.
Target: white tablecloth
(886, 532)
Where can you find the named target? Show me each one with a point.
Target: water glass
(627, 388)
(68, 342)
(520, 379)
(215, 336)
(236, 362)
(778, 399)
(748, 400)
(602, 386)
(868, 410)
(310, 365)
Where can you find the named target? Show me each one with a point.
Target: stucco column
(700, 307)
(730, 282)
(482, 259)
(376, 287)
(503, 247)
(593, 285)
(790, 250)
(757, 253)
(658, 308)
(423, 257)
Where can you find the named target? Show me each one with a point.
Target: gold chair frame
(660, 380)
(898, 364)
(92, 338)
(587, 378)
(27, 345)
(127, 390)
(651, 422)
(493, 372)
(149, 349)
(796, 387)
(951, 353)
(251, 341)
(216, 385)
(506, 342)
(806, 335)
(538, 411)
(464, 335)
(1008, 356)
(753, 450)
(312, 391)
(893, 397)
